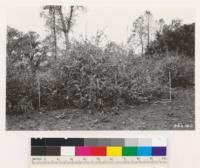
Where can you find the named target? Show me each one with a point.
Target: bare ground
(161, 115)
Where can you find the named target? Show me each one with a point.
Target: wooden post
(170, 87)
(90, 95)
(167, 52)
(38, 81)
(81, 87)
(170, 80)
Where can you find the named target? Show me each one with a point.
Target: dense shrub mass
(90, 76)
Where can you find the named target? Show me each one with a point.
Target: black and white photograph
(100, 68)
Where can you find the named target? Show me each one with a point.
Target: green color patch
(129, 151)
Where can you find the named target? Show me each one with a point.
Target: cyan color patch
(144, 151)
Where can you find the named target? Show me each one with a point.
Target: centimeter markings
(93, 159)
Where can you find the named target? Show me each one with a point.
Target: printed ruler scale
(98, 152)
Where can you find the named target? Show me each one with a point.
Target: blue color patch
(144, 151)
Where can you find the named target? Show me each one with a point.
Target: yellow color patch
(113, 151)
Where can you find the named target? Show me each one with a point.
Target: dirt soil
(161, 115)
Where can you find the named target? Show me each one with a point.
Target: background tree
(148, 19)
(51, 23)
(139, 33)
(142, 31)
(66, 25)
(161, 23)
(175, 38)
(67, 22)
(60, 20)
(14, 38)
(25, 49)
(25, 56)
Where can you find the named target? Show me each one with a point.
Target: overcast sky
(115, 21)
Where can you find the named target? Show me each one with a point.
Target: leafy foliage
(25, 55)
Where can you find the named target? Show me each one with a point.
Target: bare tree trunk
(54, 32)
(52, 13)
(148, 16)
(148, 39)
(64, 28)
(148, 34)
(67, 28)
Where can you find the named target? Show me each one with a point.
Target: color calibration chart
(98, 153)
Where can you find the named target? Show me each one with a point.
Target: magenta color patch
(82, 151)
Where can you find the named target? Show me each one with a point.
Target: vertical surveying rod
(170, 80)
(38, 79)
(170, 87)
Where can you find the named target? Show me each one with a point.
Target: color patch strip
(144, 151)
(159, 151)
(98, 142)
(67, 151)
(98, 151)
(114, 151)
(129, 151)
(98, 147)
